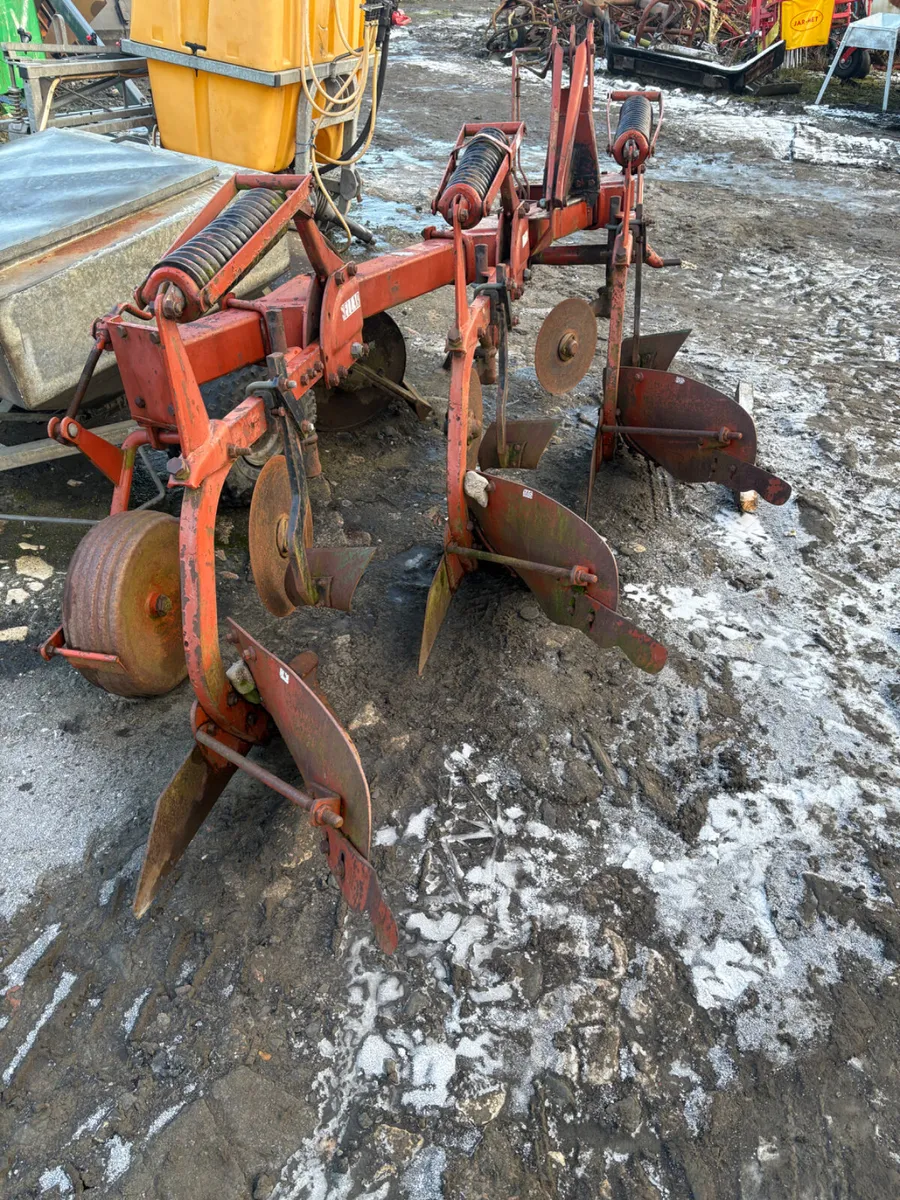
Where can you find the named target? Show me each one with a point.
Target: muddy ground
(649, 925)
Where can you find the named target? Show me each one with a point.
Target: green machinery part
(16, 15)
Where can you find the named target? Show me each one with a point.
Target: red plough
(140, 608)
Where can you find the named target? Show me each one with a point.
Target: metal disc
(319, 745)
(358, 399)
(270, 511)
(123, 597)
(565, 346)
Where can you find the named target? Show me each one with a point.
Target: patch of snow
(18, 969)
(118, 1158)
(62, 990)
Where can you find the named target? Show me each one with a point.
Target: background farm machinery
(140, 610)
(702, 43)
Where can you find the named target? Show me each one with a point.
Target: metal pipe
(46, 520)
(84, 381)
(523, 564)
(261, 775)
(721, 435)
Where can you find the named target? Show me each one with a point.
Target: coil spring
(634, 126)
(635, 116)
(207, 252)
(480, 161)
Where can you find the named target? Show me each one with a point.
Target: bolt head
(72, 429)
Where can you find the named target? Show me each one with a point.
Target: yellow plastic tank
(232, 120)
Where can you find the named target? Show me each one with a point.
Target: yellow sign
(806, 22)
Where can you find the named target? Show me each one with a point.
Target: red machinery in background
(140, 601)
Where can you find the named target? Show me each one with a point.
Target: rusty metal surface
(360, 888)
(565, 346)
(310, 804)
(359, 398)
(322, 750)
(526, 441)
(123, 598)
(656, 350)
(270, 509)
(475, 421)
(337, 571)
(661, 399)
(526, 524)
(180, 811)
(446, 580)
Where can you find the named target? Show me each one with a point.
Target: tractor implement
(139, 609)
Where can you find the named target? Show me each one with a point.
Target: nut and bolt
(340, 278)
(352, 269)
(140, 402)
(568, 347)
(72, 429)
(249, 654)
(163, 606)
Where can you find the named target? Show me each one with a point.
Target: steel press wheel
(123, 597)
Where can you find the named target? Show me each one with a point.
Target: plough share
(139, 610)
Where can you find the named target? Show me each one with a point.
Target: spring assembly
(207, 252)
(475, 172)
(631, 144)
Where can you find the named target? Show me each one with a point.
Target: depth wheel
(123, 597)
